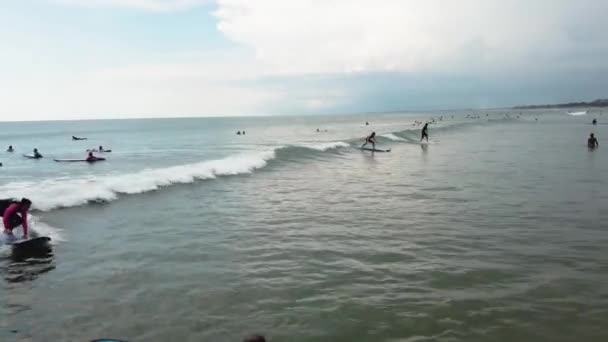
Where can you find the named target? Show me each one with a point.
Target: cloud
(148, 5)
(316, 56)
(138, 90)
(349, 36)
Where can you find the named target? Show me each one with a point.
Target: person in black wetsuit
(370, 139)
(592, 142)
(37, 154)
(425, 133)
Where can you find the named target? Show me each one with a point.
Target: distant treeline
(596, 103)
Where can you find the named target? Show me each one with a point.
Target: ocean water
(496, 230)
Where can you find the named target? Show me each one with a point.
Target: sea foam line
(324, 146)
(393, 137)
(57, 193)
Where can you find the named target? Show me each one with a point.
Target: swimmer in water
(592, 142)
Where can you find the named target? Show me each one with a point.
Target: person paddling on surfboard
(370, 139)
(92, 158)
(37, 154)
(425, 133)
(14, 215)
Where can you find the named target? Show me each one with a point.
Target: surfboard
(374, 150)
(78, 160)
(104, 151)
(32, 243)
(31, 156)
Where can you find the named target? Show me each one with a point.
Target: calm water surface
(494, 231)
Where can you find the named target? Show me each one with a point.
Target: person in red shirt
(15, 215)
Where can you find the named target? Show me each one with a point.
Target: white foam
(62, 192)
(577, 113)
(393, 137)
(325, 146)
(42, 229)
(38, 228)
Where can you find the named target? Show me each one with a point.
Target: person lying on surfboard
(92, 158)
(37, 154)
(371, 139)
(425, 133)
(14, 214)
(99, 150)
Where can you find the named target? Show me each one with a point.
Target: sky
(85, 59)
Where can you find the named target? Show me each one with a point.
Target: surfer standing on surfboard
(14, 214)
(371, 139)
(425, 133)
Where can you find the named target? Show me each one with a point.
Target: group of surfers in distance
(240, 133)
(35, 154)
(90, 156)
(592, 142)
(371, 139)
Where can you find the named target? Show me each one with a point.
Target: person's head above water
(90, 154)
(25, 203)
(100, 147)
(35, 150)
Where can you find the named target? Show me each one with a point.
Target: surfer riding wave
(370, 139)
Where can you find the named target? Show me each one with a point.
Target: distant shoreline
(596, 103)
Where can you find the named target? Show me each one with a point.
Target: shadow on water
(26, 264)
(425, 148)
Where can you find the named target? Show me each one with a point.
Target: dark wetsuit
(425, 133)
(370, 140)
(592, 142)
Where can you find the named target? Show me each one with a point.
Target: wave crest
(58, 193)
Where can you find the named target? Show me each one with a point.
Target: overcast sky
(63, 59)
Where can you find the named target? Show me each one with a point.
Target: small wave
(325, 145)
(42, 229)
(577, 113)
(60, 193)
(393, 137)
(38, 228)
